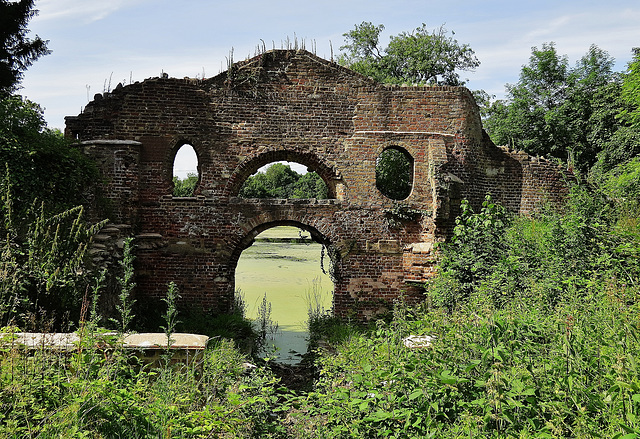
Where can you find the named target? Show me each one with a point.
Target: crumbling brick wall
(294, 106)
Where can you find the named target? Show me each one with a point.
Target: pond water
(290, 275)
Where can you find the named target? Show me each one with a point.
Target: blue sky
(95, 42)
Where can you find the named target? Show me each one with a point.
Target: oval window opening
(394, 173)
(284, 180)
(185, 171)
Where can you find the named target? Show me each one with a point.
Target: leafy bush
(43, 260)
(280, 181)
(476, 248)
(550, 258)
(41, 164)
(97, 394)
(520, 372)
(184, 187)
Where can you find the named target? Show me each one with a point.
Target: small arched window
(185, 171)
(394, 173)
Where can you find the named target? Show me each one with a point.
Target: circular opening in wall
(394, 173)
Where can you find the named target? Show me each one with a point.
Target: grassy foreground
(536, 326)
(515, 372)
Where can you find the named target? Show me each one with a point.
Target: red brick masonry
(292, 105)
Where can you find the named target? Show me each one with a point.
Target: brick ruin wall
(294, 106)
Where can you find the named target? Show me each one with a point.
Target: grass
(525, 345)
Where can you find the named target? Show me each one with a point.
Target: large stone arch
(287, 105)
(248, 239)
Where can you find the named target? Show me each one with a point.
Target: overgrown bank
(536, 335)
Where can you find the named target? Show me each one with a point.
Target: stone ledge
(110, 142)
(65, 341)
(283, 201)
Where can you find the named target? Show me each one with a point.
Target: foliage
(558, 111)
(43, 263)
(42, 164)
(280, 181)
(417, 57)
(17, 52)
(551, 258)
(538, 338)
(631, 90)
(541, 343)
(185, 187)
(394, 173)
(475, 250)
(520, 372)
(111, 395)
(623, 144)
(127, 285)
(623, 184)
(171, 316)
(265, 327)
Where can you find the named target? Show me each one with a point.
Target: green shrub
(185, 187)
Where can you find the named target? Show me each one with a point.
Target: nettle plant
(476, 248)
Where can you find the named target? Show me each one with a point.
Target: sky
(97, 44)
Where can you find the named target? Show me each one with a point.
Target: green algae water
(287, 269)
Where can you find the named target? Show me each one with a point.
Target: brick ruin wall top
(294, 106)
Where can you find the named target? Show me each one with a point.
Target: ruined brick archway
(263, 157)
(294, 106)
(316, 235)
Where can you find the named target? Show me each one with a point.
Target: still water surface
(286, 273)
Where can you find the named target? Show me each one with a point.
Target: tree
(589, 86)
(256, 186)
(310, 185)
(280, 181)
(558, 111)
(394, 174)
(623, 143)
(41, 163)
(184, 187)
(417, 57)
(17, 52)
(631, 91)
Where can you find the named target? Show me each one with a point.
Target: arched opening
(185, 171)
(299, 161)
(284, 180)
(281, 274)
(394, 173)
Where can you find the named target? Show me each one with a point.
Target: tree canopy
(280, 181)
(631, 91)
(417, 57)
(38, 162)
(17, 51)
(184, 187)
(571, 113)
(394, 173)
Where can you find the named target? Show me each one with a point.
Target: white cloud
(137, 39)
(87, 11)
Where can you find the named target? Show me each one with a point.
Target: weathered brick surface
(292, 105)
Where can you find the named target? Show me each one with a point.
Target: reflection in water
(285, 271)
